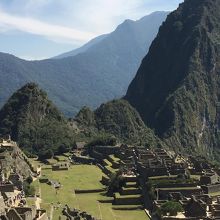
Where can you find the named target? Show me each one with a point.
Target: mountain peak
(34, 121)
(176, 87)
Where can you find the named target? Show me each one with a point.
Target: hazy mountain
(82, 49)
(177, 87)
(100, 73)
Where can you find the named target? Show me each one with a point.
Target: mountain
(117, 118)
(35, 123)
(82, 49)
(177, 87)
(98, 73)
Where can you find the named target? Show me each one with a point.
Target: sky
(40, 29)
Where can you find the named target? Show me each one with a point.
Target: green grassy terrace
(83, 177)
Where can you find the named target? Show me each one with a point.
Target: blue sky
(38, 29)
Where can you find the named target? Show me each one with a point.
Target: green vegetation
(171, 207)
(115, 183)
(120, 119)
(102, 140)
(176, 89)
(29, 188)
(35, 123)
(40, 129)
(73, 179)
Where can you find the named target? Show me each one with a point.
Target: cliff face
(176, 90)
(34, 122)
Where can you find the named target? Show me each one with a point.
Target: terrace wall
(211, 188)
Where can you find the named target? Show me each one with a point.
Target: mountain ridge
(179, 97)
(90, 78)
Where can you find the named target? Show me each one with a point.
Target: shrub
(115, 183)
(29, 189)
(171, 207)
(102, 140)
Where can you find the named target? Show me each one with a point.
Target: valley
(98, 133)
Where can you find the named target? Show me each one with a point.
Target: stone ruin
(75, 214)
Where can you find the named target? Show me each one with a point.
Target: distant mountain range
(41, 129)
(99, 71)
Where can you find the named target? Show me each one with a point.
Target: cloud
(62, 25)
(79, 18)
(34, 26)
(101, 15)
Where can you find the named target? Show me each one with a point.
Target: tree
(45, 154)
(63, 149)
(115, 183)
(171, 208)
(29, 180)
(29, 189)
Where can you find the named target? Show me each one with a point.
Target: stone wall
(163, 193)
(106, 150)
(8, 187)
(83, 160)
(211, 188)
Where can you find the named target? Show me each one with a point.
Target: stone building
(196, 208)
(61, 166)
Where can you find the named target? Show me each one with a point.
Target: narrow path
(77, 201)
(51, 212)
(113, 214)
(74, 194)
(38, 202)
(38, 199)
(100, 210)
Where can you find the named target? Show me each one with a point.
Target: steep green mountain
(117, 118)
(96, 73)
(32, 120)
(177, 87)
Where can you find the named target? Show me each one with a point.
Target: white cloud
(102, 15)
(47, 17)
(68, 23)
(34, 26)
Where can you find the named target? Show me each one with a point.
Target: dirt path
(51, 212)
(100, 211)
(38, 202)
(113, 214)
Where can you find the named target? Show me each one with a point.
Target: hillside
(176, 89)
(96, 74)
(32, 120)
(117, 118)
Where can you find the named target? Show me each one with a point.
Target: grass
(162, 177)
(107, 162)
(178, 188)
(137, 196)
(215, 194)
(112, 157)
(52, 161)
(112, 170)
(77, 177)
(196, 177)
(30, 201)
(81, 177)
(62, 158)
